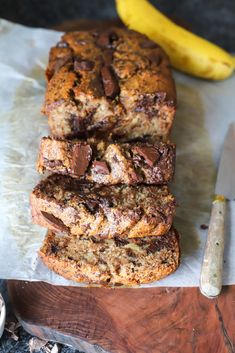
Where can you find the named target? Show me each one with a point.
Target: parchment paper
(204, 112)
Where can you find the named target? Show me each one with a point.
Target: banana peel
(187, 51)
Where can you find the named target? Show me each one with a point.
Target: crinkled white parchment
(204, 112)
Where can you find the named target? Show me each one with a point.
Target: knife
(212, 265)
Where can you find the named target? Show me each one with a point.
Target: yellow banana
(187, 51)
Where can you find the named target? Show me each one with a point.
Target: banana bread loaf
(108, 163)
(114, 261)
(117, 81)
(64, 203)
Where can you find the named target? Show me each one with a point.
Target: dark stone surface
(8, 344)
(212, 19)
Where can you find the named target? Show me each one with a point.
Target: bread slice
(108, 163)
(64, 203)
(111, 261)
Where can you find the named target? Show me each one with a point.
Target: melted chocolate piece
(61, 62)
(120, 241)
(54, 248)
(152, 248)
(71, 94)
(83, 65)
(130, 252)
(100, 167)
(54, 221)
(91, 205)
(97, 240)
(106, 39)
(111, 87)
(97, 87)
(155, 58)
(150, 154)
(108, 57)
(76, 124)
(80, 159)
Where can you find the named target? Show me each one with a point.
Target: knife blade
(212, 265)
(225, 184)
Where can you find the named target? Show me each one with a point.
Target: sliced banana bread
(114, 261)
(108, 163)
(64, 203)
(117, 81)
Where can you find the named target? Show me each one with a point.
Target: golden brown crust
(118, 82)
(108, 163)
(114, 261)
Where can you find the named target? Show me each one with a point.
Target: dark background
(212, 19)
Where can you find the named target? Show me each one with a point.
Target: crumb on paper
(204, 226)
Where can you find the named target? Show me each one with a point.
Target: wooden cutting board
(154, 320)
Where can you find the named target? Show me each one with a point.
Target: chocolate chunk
(71, 94)
(130, 252)
(148, 44)
(97, 240)
(80, 159)
(139, 241)
(97, 87)
(78, 79)
(152, 248)
(91, 205)
(106, 39)
(108, 57)
(134, 177)
(111, 87)
(54, 248)
(61, 62)
(120, 241)
(83, 65)
(155, 58)
(62, 44)
(55, 222)
(76, 124)
(100, 167)
(150, 154)
(146, 104)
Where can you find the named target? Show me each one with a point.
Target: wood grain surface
(154, 320)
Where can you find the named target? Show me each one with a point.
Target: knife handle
(212, 266)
